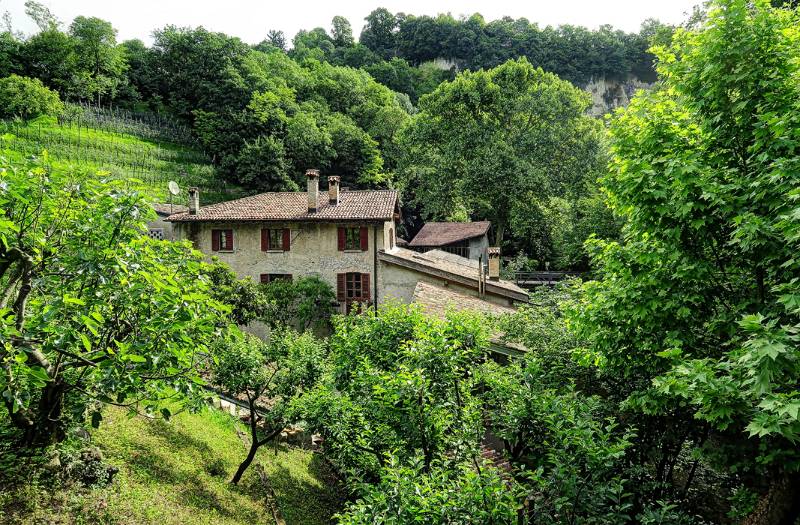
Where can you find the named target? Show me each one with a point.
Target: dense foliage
(92, 312)
(512, 144)
(305, 303)
(574, 53)
(695, 312)
(270, 376)
(27, 98)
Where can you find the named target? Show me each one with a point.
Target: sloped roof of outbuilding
(451, 267)
(165, 209)
(444, 233)
(366, 205)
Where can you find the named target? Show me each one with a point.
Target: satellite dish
(173, 187)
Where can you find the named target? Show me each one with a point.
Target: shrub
(27, 98)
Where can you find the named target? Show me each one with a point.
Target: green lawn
(177, 472)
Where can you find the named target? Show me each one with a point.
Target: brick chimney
(494, 263)
(313, 190)
(194, 200)
(333, 190)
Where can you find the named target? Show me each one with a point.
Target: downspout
(375, 265)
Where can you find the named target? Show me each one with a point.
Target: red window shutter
(286, 239)
(264, 240)
(365, 287)
(340, 287)
(264, 277)
(215, 240)
(364, 239)
(341, 239)
(229, 235)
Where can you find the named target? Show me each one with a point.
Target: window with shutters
(352, 289)
(222, 240)
(272, 277)
(353, 286)
(353, 239)
(275, 240)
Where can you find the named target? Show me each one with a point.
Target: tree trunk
(780, 505)
(246, 463)
(48, 424)
(499, 232)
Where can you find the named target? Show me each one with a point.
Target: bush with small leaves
(27, 98)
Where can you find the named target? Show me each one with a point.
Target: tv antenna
(173, 190)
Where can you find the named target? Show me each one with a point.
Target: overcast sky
(251, 19)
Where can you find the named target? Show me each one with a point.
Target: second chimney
(194, 200)
(494, 263)
(313, 190)
(333, 190)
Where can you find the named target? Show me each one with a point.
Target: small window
(353, 286)
(352, 239)
(272, 277)
(221, 240)
(391, 238)
(275, 239)
(156, 233)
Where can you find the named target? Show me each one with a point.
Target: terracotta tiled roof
(451, 267)
(293, 206)
(443, 233)
(436, 301)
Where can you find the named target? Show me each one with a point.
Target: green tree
(92, 312)
(200, 70)
(262, 165)
(41, 15)
(27, 98)
(398, 384)
(448, 493)
(342, 32)
(271, 375)
(50, 57)
(304, 303)
(9, 54)
(245, 298)
(696, 310)
(490, 140)
(379, 31)
(98, 58)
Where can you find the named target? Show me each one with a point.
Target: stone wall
(313, 249)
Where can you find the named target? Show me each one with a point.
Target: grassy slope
(121, 155)
(177, 472)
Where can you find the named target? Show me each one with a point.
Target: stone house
(347, 238)
(467, 239)
(162, 229)
(335, 235)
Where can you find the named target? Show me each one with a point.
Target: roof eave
(287, 219)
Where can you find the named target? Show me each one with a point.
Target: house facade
(333, 235)
(347, 238)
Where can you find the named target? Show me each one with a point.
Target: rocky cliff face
(608, 94)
